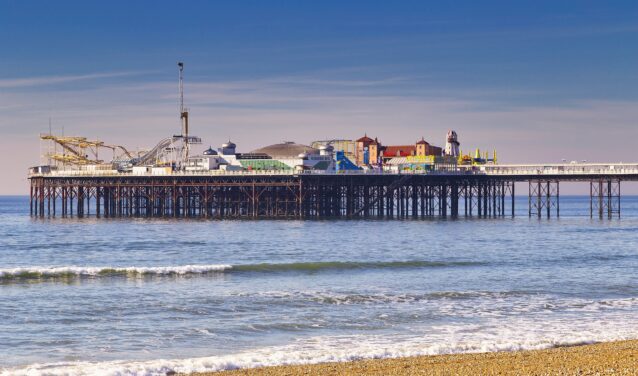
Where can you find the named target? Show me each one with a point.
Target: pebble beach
(610, 358)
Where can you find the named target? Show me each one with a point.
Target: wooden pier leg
(79, 198)
(455, 200)
(443, 199)
(465, 199)
(513, 198)
(40, 199)
(131, 201)
(549, 199)
(400, 201)
(529, 198)
(591, 199)
(415, 201)
(422, 198)
(486, 199)
(557, 199)
(390, 201)
(494, 199)
(539, 200)
(35, 199)
(472, 194)
(97, 201)
(618, 198)
(62, 201)
(502, 213)
(481, 199)
(600, 199)
(609, 203)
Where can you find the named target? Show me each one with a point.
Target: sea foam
(44, 272)
(62, 272)
(316, 350)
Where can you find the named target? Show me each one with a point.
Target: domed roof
(365, 139)
(209, 151)
(229, 145)
(286, 150)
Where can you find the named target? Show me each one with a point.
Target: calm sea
(139, 296)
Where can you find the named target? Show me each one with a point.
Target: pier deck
(483, 191)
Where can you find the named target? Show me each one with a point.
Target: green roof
(263, 164)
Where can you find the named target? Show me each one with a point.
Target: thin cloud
(52, 80)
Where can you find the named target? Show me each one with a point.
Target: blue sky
(538, 80)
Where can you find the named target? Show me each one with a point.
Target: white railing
(561, 169)
(500, 170)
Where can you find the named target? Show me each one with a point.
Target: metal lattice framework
(283, 196)
(544, 196)
(604, 198)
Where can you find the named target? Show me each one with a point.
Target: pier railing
(560, 169)
(498, 170)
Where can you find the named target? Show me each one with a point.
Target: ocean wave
(62, 272)
(315, 350)
(337, 298)
(348, 265)
(70, 272)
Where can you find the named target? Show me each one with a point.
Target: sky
(539, 81)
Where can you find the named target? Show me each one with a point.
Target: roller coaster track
(151, 156)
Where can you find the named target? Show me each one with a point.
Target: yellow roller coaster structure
(77, 151)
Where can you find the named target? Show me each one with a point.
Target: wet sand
(612, 358)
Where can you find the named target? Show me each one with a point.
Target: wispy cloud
(52, 80)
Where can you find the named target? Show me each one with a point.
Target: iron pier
(486, 193)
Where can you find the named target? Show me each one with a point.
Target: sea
(96, 296)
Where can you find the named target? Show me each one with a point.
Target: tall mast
(183, 114)
(181, 87)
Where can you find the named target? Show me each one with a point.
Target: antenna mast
(183, 114)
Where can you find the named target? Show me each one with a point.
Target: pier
(472, 191)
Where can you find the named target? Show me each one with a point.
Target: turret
(452, 144)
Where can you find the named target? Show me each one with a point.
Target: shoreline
(605, 358)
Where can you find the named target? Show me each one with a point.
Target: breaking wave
(318, 350)
(71, 272)
(62, 272)
(339, 265)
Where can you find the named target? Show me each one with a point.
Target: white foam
(523, 334)
(91, 271)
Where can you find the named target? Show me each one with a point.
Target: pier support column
(513, 198)
(454, 200)
(42, 200)
(543, 196)
(604, 198)
(31, 197)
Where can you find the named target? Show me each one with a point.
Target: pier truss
(273, 196)
(544, 197)
(604, 198)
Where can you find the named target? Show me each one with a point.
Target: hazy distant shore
(610, 358)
